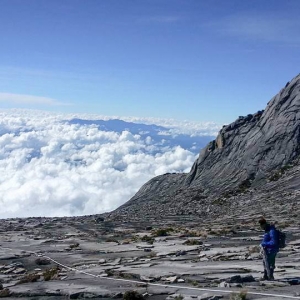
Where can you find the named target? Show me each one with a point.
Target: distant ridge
(159, 134)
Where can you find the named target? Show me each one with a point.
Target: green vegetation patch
(132, 295)
(162, 231)
(148, 239)
(51, 273)
(191, 242)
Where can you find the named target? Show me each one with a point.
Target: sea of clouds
(64, 165)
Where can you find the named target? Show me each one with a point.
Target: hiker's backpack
(281, 239)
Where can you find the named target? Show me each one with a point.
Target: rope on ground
(178, 287)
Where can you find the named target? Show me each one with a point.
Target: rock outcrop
(250, 148)
(244, 156)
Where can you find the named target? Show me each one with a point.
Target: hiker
(270, 248)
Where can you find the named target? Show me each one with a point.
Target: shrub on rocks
(194, 233)
(73, 246)
(162, 231)
(109, 272)
(50, 273)
(242, 295)
(148, 239)
(132, 295)
(192, 242)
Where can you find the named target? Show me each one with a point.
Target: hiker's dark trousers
(271, 257)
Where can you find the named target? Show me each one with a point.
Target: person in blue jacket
(270, 246)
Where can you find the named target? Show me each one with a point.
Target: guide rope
(178, 287)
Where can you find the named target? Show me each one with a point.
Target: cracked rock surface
(207, 260)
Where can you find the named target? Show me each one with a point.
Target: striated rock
(147, 279)
(253, 146)
(19, 271)
(247, 155)
(171, 279)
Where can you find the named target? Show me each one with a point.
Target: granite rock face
(244, 156)
(250, 148)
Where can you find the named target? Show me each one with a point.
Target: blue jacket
(270, 239)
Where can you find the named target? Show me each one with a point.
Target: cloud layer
(52, 165)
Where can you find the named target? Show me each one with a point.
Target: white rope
(154, 284)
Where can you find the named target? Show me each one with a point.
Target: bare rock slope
(247, 162)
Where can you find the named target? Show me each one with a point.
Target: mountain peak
(244, 155)
(252, 146)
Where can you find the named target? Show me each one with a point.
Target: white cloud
(29, 99)
(175, 126)
(51, 167)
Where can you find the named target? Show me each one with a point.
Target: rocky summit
(253, 160)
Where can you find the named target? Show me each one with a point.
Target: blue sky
(183, 59)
